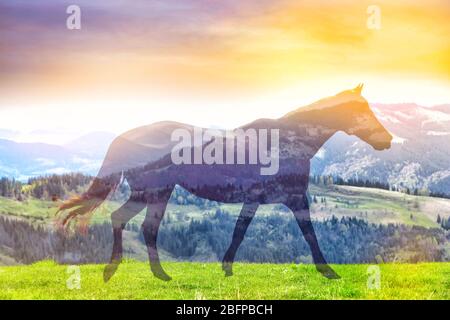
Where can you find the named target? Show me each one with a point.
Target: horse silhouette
(144, 156)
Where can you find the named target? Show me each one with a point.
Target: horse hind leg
(119, 219)
(150, 227)
(245, 217)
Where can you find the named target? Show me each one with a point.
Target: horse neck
(315, 126)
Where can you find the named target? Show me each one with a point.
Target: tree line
(51, 187)
(27, 242)
(274, 238)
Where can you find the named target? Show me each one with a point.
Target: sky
(218, 63)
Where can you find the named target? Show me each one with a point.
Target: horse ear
(359, 88)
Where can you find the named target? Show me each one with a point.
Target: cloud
(209, 45)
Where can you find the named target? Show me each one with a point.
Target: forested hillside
(274, 238)
(354, 225)
(49, 187)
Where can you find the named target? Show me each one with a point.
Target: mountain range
(24, 160)
(418, 159)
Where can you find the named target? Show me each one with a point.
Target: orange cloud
(283, 43)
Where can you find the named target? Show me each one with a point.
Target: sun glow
(224, 68)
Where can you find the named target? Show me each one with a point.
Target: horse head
(362, 122)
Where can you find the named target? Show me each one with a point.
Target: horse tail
(81, 208)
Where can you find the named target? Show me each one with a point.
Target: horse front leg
(245, 217)
(300, 208)
(150, 228)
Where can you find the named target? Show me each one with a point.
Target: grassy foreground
(47, 280)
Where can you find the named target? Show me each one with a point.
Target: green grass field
(47, 280)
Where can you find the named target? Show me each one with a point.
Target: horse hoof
(327, 272)
(160, 274)
(110, 270)
(332, 276)
(163, 277)
(227, 268)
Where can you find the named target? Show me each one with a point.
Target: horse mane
(332, 101)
